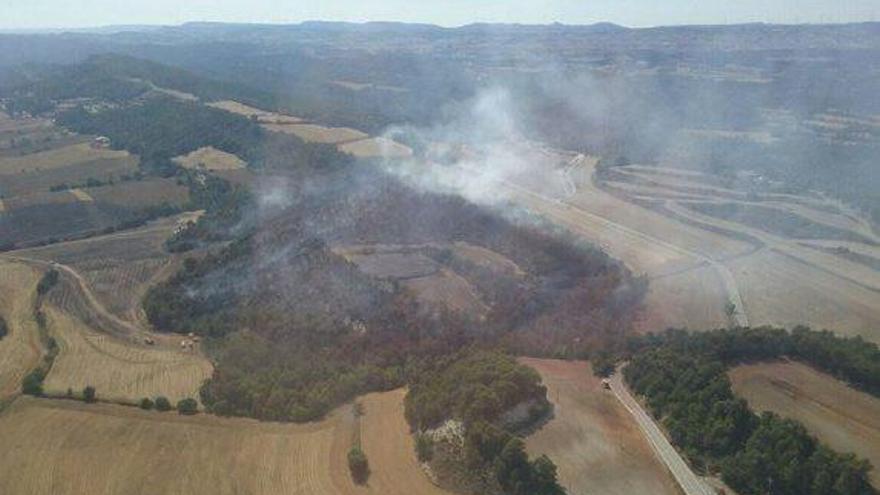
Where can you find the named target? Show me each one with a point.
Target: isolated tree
(89, 394)
(424, 447)
(358, 465)
(146, 404)
(162, 404)
(32, 384)
(187, 406)
(3, 328)
(730, 309)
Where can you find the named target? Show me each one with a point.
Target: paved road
(690, 483)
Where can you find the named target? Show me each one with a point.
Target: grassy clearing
(211, 158)
(844, 418)
(591, 438)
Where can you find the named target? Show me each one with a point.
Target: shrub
(47, 282)
(424, 447)
(89, 394)
(32, 384)
(358, 465)
(146, 404)
(162, 404)
(3, 328)
(187, 406)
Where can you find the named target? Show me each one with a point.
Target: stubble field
(65, 447)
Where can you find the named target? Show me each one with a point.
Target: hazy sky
(23, 14)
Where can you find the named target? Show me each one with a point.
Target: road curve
(690, 483)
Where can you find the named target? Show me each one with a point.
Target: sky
(30, 14)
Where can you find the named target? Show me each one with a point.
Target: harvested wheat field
(390, 448)
(20, 349)
(376, 148)
(142, 194)
(210, 158)
(694, 299)
(59, 157)
(262, 116)
(593, 440)
(319, 134)
(782, 291)
(119, 370)
(844, 418)
(64, 448)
